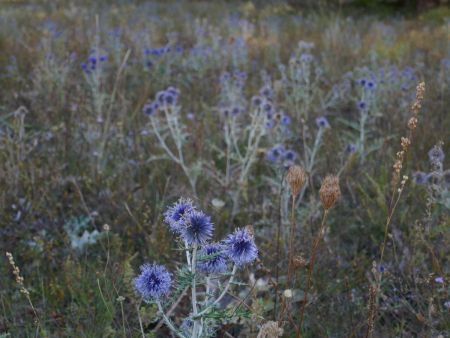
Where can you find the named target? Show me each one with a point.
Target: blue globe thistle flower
(306, 57)
(212, 259)
(198, 228)
(236, 111)
(103, 58)
(175, 216)
(285, 120)
(370, 85)
(257, 101)
(350, 148)
(270, 124)
(362, 82)
(275, 154)
(153, 282)
(420, 178)
(174, 91)
(267, 107)
(169, 99)
(362, 105)
(149, 109)
(290, 156)
(240, 247)
(436, 155)
(84, 67)
(266, 92)
(160, 97)
(186, 326)
(322, 122)
(225, 111)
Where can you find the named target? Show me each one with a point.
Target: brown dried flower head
(270, 330)
(299, 262)
(329, 191)
(296, 178)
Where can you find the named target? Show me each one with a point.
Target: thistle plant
(210, 268)
(242, 134)
(167, 125)
(302, 82)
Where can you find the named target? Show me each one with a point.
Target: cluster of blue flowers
(93, 63)
(436, 157)
(163, 98)
(279, 155)
(195, 229)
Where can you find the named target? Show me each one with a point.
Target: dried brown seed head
(329, 191)
(299, 262)
(296, 178)
(270, 330)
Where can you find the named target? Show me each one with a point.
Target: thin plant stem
(291, 242)
(224, 292)
(277, 253)
(168, 321)
(311, 269)
(141, 327)
(194, 292)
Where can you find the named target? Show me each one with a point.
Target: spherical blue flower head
(420, 178)
(174, 91)
(289, 156)
(370, 85)
(212, 259)
(350, 148)
(153, 282)
(175, 216)
(169, 98)
(198, 228)
(306, 57)
(225, 111)
(362, 82)
(240, 247)
(236, 111)
(322, 122)
(257, 101)
(149, 109)
(275, 154)
(436, 155)
(160, 97)
(186, 326)
(266, 92)
(285, 120)
(362, 105)
(270, 124)
(267, 107)
(103, 58)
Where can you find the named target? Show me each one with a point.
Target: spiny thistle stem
(224, 292)
(194, 292)
(168, 322)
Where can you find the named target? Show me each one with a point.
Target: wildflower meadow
(200, 169)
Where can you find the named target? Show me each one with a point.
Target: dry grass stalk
(20, 283)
